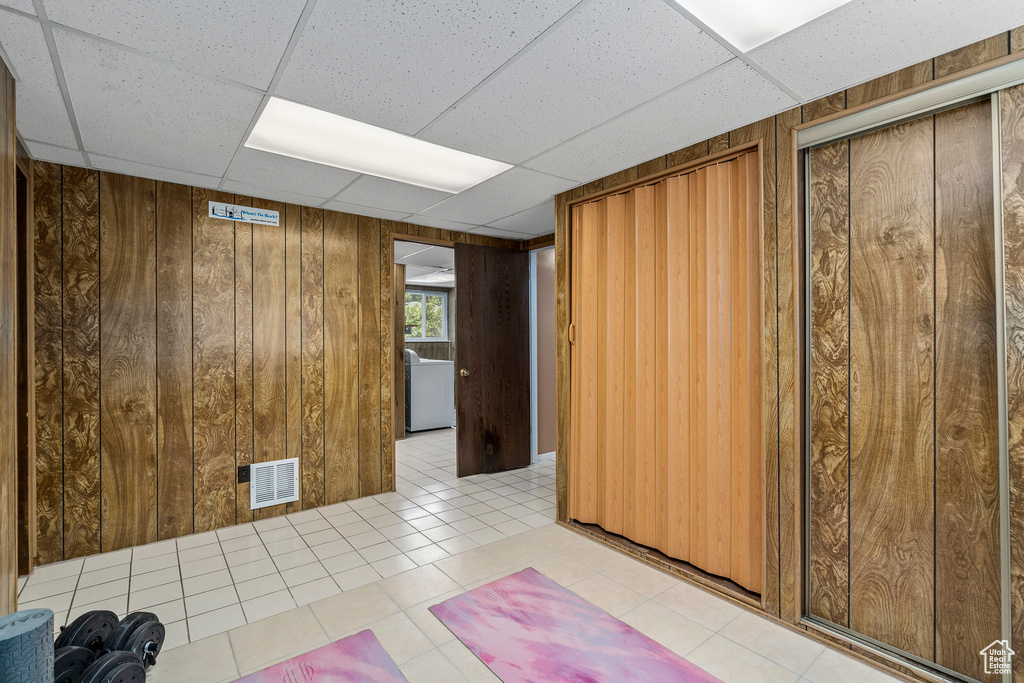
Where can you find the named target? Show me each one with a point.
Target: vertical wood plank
(387, 437)
(369, 356)
(652, 166)
(1012, 128)
(313, 311)
(890, 84)
(641, 312)
(244, 429)
(128, 360)
(825, 106)
(892, 384)
(48, 301)
(213, 362)
(341, 346)
(830, 379)
(81, 352)
(972, 55)
(719, 143)
(967, 571)
(269, 344)
(9, 361)
(1017, 40)
(293, 336)
(688, 154)
(614, 306)
(174, 359)
(629, 399)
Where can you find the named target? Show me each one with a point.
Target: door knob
(464, 372)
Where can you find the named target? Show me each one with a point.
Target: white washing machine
(429, 393)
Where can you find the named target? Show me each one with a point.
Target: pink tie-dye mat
(356, 659)
(525, 627)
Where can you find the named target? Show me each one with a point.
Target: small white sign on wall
(244, 214)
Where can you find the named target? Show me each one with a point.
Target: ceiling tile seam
(742, 56)
(509, 62)
(535, 206)
(300, 26)
(157, 58)
(337, 195)
(62, 82)
(520, 166)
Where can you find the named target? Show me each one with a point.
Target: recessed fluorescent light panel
(302, 132)
(749, 23)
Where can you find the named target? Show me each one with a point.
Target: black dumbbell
(70, 662)
(90, 631)
(116, 667)
(139, 632)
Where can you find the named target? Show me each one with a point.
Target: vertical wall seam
(156, 344)
(191, 340)
(935, 392)
(63, 473)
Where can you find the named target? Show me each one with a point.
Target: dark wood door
(492, 364)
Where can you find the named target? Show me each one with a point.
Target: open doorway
(543, 411)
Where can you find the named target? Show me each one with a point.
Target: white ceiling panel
(605, 59)
(405, 249)
(156, 173)
(58, 155)
(870, 38)
(540, 220)
(731, 96)
(383, 193)
(132, 107)
(21, 5)
(240, 41)
(440, 223)
(504, 234)
(400, 64)
(501, 196)
(276, 172)
(264, 192)
(345, 207)
(433, 257)
(42, 115)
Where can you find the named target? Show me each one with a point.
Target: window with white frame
(426, 316)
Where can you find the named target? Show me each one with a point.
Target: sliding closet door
(904, 469)
(666, 412)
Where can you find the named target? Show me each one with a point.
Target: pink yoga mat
(527, 628)
(356, 659)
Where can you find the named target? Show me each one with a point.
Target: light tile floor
(255, 594)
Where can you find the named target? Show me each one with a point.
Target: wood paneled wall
(668, 332)
(8, 348)
(782, 592)
(172, 347)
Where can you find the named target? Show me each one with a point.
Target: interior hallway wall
(781, 594)
(8, 348)
(172, 348)
(547, 422)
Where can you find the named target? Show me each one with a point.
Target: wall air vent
(273, 483)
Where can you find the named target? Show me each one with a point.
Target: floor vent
(273, 483)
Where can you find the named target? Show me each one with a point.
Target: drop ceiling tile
(502, 195)
(404, 250)
(869, 38)
(20, 5)
(400, 64)
(240, 41)
(605, 59)
(504, 234)
(433, 257)
(540, 220)
(370, 211)
(40, 151)
(42, 115)
(727, 98)
(254, 167)
(272, 193)
(104, 163)
(132, 107)
(440, 223)
(391, 194)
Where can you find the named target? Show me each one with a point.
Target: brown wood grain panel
(825, 106)
(967, 572)
(293, 332)
(972, 55)
(48, 318)
(269, 344)
(613, 368)
(830, 379)
(1011, 118)
(369, 355)
(432, 233)
(213, 363)
(341, 348)
(688, 154)
(623, 177)
(700, 418)
(9, 343)
(26, 404)
(652, 166)
(593, 187)
(398, 312)
(563, 378)
(243, 336)
(174, 359)
(632, 500)
(313, 312)
(892, 385)
(719, 143)
(890, 84)
(1017, 40)
(128, 360)
(387, 434)
(81, 353)
(641, 372)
